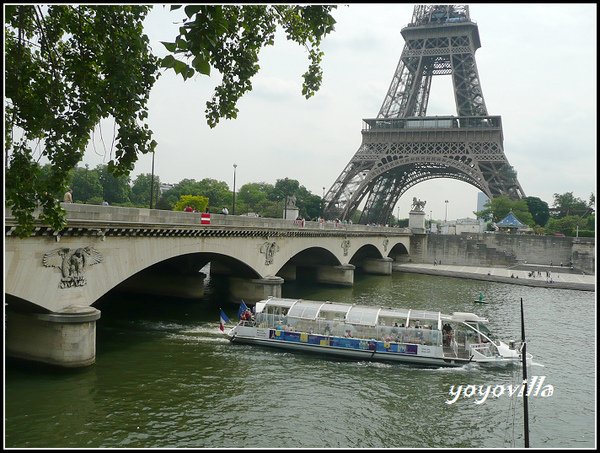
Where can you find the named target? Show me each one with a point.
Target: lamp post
(430, 213)
(152, 182)
(398, 216)
(323, 203)
(446, 217)
(233, 208)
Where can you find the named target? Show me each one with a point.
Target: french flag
(224, 320)
(242, 309)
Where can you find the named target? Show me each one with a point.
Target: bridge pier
(378, 266)
(66, 338)
(337, 275)
(253, 290)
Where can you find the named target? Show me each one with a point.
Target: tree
(199, 203)
(86, 184)
(285, 188)
(308, 204)
(69, 66)
(218, 192)
(254, 197)
(229, 37)
(566, 204)
(115, 190)
(66, 68)
(538, 209)
(498, 207)
(141, 188)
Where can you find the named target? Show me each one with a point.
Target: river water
(165, 377)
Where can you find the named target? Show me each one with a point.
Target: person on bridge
(68, 196)
(225, 211)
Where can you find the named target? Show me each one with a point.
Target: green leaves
(67, 67)
(229, 39)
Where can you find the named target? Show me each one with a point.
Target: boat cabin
(367, 322)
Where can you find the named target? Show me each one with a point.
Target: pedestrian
(225, 211)
(68, 196)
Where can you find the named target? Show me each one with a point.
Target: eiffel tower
(403, 146)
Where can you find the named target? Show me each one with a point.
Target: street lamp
(446, 217)
(323, 203)
(233, 209)
(398, 217)
(430, 214)
(152, 182)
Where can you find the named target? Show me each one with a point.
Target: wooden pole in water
(525, 397)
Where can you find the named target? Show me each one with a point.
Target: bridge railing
(86, 214)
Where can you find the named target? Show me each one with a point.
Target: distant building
(482, 199)
(164, 187)
(469, 226)
(460, 226)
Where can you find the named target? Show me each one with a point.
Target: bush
(95, 200)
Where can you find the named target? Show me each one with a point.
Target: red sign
(205, 218)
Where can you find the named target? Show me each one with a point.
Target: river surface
(165, 377)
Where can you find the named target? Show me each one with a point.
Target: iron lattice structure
(403, 147)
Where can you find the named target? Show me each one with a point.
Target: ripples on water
(165, 377)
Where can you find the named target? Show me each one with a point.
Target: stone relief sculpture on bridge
(386, 241)
(346, 246)
(72, 264)
(418, 205)
(269, 249)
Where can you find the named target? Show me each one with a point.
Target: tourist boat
(373, 333)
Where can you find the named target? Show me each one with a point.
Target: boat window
(333, 311)
(276, 305)
(399, 314)
(305, 310)
(424, 315)
(484, 330)
(363, 315)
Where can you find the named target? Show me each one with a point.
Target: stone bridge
(53, 278)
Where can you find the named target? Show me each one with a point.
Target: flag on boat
(224, 320)
(242, 309)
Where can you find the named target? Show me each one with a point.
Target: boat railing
(454, 346)
(483, 349)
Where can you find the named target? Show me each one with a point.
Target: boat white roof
(354, 314)
(462, 316)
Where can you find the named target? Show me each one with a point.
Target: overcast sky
(537, 68)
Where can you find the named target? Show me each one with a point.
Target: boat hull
(345, 348)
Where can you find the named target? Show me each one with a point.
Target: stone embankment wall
(470, 249)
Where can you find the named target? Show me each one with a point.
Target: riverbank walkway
(560, 277)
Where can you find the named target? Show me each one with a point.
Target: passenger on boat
(447, 330)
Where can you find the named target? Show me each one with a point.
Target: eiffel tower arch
(403, 146)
